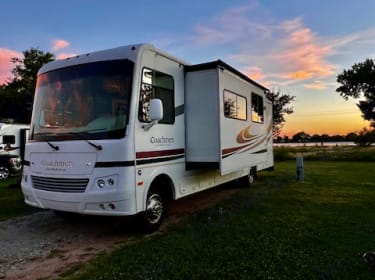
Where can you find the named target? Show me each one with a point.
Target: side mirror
(155, 113)
(156, 109)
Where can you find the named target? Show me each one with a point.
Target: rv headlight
(101, 183)
(106, 183)
(111, 182)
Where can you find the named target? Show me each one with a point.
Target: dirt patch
(43, 246)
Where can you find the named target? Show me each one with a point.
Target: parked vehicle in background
(12, 148)
(122, 131)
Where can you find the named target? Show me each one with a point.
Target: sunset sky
(295, 46)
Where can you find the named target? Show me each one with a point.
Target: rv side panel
(228, 121)
(202, 117)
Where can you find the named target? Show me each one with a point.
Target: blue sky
(294, 46)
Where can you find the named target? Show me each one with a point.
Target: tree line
(363, 138)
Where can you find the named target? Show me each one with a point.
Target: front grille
(59, 184)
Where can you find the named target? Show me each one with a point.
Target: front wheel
(153, 216)
(4, 172)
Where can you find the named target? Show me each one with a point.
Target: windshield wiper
(55, 147)
(98, 147)
(82, 136)
(79, 134)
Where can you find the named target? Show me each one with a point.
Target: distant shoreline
(313, 144)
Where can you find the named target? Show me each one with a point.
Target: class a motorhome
(12, 146)
(123, 131)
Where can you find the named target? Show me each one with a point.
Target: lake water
(312, 144)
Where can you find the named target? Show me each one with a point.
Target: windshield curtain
(89, 101)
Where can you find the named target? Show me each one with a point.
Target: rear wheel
(250, 178)
(4, 172)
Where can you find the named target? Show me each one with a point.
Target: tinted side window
(257, 113)
(234, 106)
(156, 85)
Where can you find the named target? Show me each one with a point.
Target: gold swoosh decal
(245, 136)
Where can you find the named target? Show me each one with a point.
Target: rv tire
(250, 178)
(151, 219)
(4, 172)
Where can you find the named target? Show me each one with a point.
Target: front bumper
(90, 201)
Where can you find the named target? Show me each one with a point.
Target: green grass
(326, 153)
(278, 229)
(11, 200)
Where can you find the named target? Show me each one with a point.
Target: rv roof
(130, 52)
(220, 63)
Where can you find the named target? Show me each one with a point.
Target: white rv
(12, 147)
(122, 131)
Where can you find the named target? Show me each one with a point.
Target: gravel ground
(44, 237)
(42, 245)
(29, 237)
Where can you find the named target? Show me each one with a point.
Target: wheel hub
(154, 209)
(4, 173)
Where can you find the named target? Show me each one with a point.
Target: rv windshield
(90, 100)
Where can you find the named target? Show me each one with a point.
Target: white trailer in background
(122, 131)
(12, 146)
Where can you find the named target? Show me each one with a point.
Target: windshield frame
(104, 88)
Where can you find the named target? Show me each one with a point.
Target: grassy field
(11, 200)
(278, 229)
(326, 153)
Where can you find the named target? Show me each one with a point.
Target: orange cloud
(299, 75)
(288, 51)
(254, 73)
(59, 44)
(303, 57)
(6, 65)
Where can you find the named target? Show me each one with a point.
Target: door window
(156, 85)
